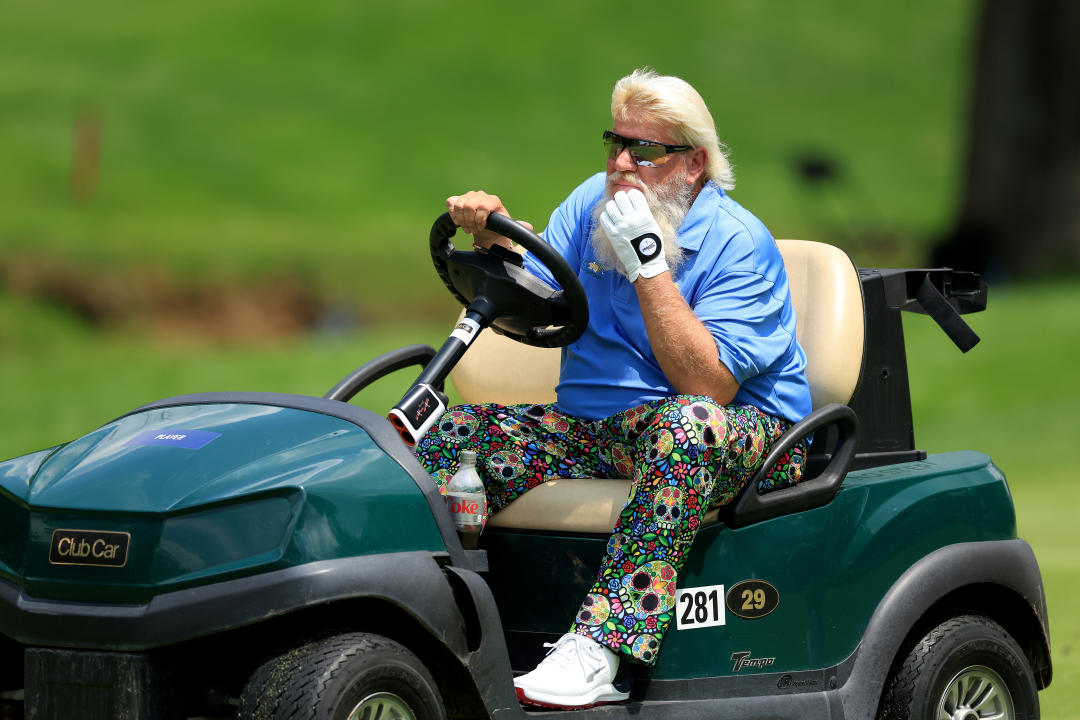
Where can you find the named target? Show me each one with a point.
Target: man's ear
(696, 162)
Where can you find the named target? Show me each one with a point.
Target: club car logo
(89, 547)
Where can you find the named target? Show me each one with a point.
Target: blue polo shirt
(732, 277)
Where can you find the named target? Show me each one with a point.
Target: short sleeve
(746, 320)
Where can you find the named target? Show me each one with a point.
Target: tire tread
(902, 688)
(287, 687)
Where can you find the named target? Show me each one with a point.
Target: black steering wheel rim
(553, 318)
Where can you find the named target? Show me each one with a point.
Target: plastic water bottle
(465, 496)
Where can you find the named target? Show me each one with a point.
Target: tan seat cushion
(498, 369)
(827, 297)
(588, 505)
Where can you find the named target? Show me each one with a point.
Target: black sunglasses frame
(631, 143)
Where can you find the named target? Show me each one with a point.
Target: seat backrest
(826, 294)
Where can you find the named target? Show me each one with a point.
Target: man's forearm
(683, 346)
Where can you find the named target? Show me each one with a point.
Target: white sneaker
(577, 673)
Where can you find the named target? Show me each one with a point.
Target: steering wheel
(495, 283)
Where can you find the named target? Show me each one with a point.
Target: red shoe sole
(525, 700)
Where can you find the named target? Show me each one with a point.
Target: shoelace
(569, 651)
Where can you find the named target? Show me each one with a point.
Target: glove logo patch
(646, 246)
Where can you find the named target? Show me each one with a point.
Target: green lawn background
(245, 139)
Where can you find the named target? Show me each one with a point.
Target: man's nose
(624, 162)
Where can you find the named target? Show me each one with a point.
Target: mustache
(625, 178)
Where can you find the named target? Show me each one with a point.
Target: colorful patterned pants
(684, 454)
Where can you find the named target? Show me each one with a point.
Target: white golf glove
(634, 235)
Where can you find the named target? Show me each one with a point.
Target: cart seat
(827, 296)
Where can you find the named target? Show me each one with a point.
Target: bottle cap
(467, 456)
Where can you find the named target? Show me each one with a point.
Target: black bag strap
(946, 316)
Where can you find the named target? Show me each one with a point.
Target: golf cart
(277, 556)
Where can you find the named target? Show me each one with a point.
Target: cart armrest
(752, 506)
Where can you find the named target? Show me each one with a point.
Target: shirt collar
(696, 223)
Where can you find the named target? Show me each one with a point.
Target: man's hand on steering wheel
(500, 291)
(470, 212)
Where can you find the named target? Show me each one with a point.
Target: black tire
(950, 672)
(354, 676)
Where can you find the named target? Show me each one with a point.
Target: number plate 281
(700, 607)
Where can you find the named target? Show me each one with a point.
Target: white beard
(669, 204)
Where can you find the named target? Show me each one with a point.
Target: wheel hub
(976, 693)
(382, 706)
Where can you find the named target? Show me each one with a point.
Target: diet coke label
(465, 508)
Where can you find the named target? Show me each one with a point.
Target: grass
(256, 135)
(61, 380)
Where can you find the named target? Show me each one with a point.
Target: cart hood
(170, 458)
(204, 488)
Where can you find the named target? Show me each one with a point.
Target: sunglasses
(646, 153)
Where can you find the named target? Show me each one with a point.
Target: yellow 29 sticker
(752, 599)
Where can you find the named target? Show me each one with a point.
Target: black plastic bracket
(752, 506)
(942, 293)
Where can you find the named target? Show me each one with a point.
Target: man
(688, 372)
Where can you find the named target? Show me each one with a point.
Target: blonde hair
(645, 96)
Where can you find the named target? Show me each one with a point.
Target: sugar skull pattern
(649, 590)
(684, 454)
(668, 508)
(457, 425)
(594, 610)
